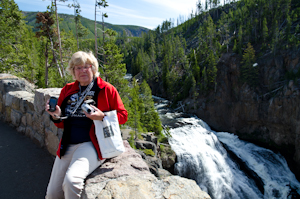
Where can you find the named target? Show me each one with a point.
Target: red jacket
(108, 99)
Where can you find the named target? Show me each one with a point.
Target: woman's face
(83, 74)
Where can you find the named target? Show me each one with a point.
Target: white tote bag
(109, 135)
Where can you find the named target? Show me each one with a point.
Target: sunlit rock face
(127, 176)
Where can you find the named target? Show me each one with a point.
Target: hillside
(68, 24)
(236, 66)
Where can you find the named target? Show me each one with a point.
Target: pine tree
(224, 26)
(80, 30)
(235, 48)
(28, 56)
(153, 56)
(249, 72)
(194, 92)
(195, 65)
(137, 67)
(264, 30)
(210, 30)
(205, 79)
(99, 4)
(114, 69)
(275, 39)
(12, 31)
(199, 7)
(46, 31)
(167, 63)
(133, 111)
(18, 46)
(146, 66)
(240, 37)
(149, 117)
(211, 69)
(165, 76)
(288, 29)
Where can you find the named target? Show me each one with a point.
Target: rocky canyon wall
(268, 114)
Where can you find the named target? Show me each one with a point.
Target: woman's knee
(73, 182)
(54, 194)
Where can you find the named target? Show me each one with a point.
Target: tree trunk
(77, 38)
(46, 65)
(54, 56)
(59, 40)
(76, 28)
(104, 56)
(96, 47)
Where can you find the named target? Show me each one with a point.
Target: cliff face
(268, 115)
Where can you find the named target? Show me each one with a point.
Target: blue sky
(145, 13)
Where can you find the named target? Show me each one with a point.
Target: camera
(87, 108)
(52, 104)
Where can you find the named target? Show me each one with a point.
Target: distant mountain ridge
(68, 24)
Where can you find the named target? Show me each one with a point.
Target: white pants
(69, 172)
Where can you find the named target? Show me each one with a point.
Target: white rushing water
(272, 168)
(259, 173)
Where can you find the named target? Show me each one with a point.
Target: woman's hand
(96, 115)
(56, 114)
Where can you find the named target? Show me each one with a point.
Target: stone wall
(22, 106)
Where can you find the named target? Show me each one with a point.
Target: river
(223, 165)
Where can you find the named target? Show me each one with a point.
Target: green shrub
(162, 139)
(162, 147)
(131, 140)
(149, 152)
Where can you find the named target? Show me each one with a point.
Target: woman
(78, 153)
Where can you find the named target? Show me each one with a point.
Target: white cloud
(157, 12)
(118, 15)
(128, 13)
(181, 7)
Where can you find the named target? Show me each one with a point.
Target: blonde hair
(82, 58)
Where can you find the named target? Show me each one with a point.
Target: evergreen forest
(182, 58)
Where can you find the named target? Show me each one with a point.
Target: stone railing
(23, 107)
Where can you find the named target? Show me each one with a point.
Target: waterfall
(272, 168)
(224, 166)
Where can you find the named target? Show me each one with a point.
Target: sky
(145, 13)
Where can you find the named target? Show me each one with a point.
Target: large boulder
(167, 156)
(154, 163)
(128, 177)
(141, 144)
